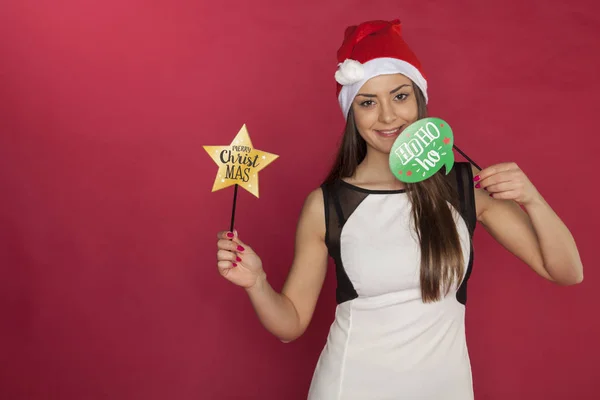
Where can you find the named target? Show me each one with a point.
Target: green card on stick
(421, 150)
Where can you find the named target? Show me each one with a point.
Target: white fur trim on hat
(352, 75)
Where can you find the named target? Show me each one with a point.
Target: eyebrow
(392, 92)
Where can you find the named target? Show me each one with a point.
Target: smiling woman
(384, 107)
(385, 113)
(403, 252)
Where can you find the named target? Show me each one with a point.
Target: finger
(225, 235)
(241, 247)
(507, 195)
(495, 179)
(227, 244)
(495, 169)
(225, 266)
(503, 187)
(224, 255)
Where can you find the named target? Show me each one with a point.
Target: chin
(381, 148)
(382, 143)
(385, 144)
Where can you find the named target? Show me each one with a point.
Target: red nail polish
(491, 194)
(240, 248)
(476, 178)
(229, 234)
(238, 259)
(234, 264)
(478, 186)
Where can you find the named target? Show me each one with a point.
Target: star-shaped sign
(239, 163)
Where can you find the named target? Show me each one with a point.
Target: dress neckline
(371, 191)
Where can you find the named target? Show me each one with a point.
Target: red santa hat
(370, 49)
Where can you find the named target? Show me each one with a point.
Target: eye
(367, 103)
(401, 96)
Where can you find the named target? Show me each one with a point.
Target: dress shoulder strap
(461, 178)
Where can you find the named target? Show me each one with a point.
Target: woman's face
(383, 108)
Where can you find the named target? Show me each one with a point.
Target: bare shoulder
(312, 215)
(314, 199)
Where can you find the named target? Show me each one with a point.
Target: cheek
(408, 111)
(364, 118)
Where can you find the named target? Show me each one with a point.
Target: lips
(389, 132)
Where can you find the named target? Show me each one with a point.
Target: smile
(389, 132)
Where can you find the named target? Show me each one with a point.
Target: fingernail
(229, 234)
(240, 248)
(238, 259)
(476, 178)
(491, 194)
(478, 186)
(234, 264)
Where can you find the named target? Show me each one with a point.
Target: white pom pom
(349, 72)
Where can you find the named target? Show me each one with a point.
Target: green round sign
(421, 150)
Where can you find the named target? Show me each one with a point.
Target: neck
(376, 168)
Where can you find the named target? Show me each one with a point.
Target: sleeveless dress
(385, 342)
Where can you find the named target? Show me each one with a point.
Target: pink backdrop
(109, 287)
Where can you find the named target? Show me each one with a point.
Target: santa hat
(370, 49)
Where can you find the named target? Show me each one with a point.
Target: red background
(109, 287)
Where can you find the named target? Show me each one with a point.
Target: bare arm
(535, 235)
(287, 314)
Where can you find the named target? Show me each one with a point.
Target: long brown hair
(441, 253)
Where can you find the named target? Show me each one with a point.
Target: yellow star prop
(239, 163)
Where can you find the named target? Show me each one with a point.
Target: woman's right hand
(236, 261)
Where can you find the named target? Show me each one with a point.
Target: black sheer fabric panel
(340, 202)
(461, 178)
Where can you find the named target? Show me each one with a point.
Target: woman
(402, 252)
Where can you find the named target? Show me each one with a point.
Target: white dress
(385, 342)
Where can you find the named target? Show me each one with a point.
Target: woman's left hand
(507, 181)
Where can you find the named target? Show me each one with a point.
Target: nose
(387, 113)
